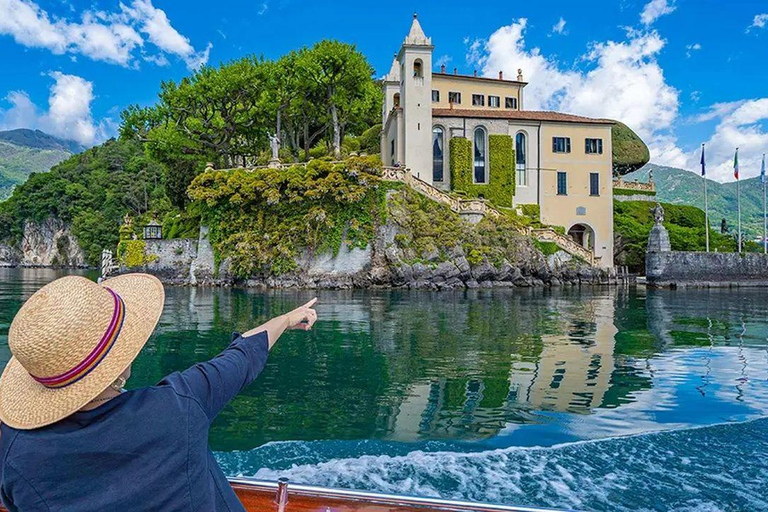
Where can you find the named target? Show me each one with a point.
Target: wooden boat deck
(260, 496)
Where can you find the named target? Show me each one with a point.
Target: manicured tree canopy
(629, 151)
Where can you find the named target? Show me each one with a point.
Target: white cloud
(559, 27)
(624, 81)
(692, 48)
(695, 96)
(443, 60)
(155, 24)
(759, 21)
(109, 37)
(655, 9)
(263, 8)
(68, 115)
(740, 124)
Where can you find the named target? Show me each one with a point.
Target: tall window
(520, 156)
(562, 183)
(593, 146)
(396, 99)
(438, 150)
(561, 144)
(510, 102)
(435, 96)
(479, 156)
(478, 100)
(454, 97)
(594, 184)
(494, 101)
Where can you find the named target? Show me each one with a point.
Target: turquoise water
(600, 399)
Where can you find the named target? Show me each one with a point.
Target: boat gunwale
(312, 491)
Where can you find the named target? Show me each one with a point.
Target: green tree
(344, 77)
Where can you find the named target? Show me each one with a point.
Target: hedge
(501, 162)
(627, 192)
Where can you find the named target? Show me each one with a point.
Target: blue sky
(680, 72)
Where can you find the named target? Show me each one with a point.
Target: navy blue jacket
(146, 449)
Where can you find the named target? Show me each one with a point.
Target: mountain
(23, 152)
(679, 186)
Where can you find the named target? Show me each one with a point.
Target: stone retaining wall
(678, 268)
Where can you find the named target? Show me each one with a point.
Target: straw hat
(71, 340)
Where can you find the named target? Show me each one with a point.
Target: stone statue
(127, 220)
(274, 143)
(658, 214)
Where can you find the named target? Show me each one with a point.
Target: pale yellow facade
(423, 110)
(468, 86)
(579, 206)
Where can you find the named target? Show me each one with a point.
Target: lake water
(601, 399)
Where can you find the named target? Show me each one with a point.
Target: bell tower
(415, 58)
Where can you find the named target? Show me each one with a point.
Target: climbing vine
(500, 188)
(264, 219)
(133, 253)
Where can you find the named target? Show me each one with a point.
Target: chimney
(475, 73)
(501, 75)
(455, 71)
(519, 75)
(442, 68)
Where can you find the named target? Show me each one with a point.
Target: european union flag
(703, 165)
(762, 171)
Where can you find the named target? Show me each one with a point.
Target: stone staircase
(478, 208)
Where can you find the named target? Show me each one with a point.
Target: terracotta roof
(521, 115)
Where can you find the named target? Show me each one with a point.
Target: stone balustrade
(564, 242)
(634, 185)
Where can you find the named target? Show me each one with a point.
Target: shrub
(264, 219)
(370, 140)
(133, 253)
(627, 192)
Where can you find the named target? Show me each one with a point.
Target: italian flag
(736, 164)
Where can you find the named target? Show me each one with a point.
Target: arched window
(417, 71)
(396, 99)
(521, 151)
(479, 159)
(438, 152)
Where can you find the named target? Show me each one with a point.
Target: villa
(475, 131)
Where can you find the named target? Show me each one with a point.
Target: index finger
(310, 303)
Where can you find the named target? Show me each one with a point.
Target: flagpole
(738, 196)
(765, 225)
(765, 217)
(706, 199)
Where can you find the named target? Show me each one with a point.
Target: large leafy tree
(343, 76)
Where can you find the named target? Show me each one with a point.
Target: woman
(74, 439)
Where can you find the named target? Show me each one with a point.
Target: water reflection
(495, 368)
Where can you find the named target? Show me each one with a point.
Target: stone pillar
(658, 240)
(659, 249)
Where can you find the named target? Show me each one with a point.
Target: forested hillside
(23, 152)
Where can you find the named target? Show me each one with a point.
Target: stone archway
(584, 235)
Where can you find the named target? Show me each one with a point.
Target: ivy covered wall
(500, 188)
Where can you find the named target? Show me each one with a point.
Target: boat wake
(714, 468)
